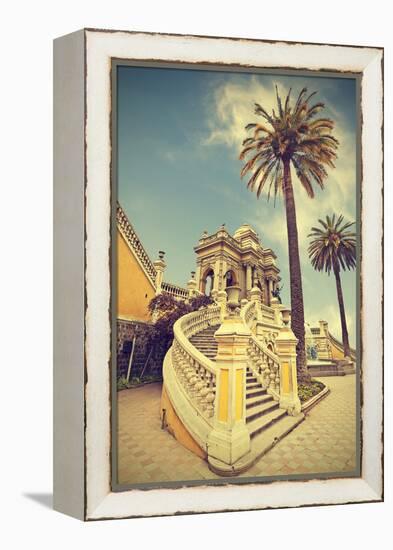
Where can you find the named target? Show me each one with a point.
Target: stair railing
(264, 364)
(190, 376)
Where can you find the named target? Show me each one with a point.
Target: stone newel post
(286, 350)
(275, 304)
(230, 440)
(256, 296)
(221, 299)
(192, 286)
(160, 266)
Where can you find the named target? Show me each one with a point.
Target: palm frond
(293, 133)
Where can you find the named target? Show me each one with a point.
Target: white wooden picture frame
(82, 248)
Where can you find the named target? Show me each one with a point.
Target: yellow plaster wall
(239, 394)
(176, 427)
(285, 378)
(134, 290)
(223, 397)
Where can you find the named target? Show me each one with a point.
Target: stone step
(202, 343)
(267, 439)
(255, 392)
(205, 350)
(261, 410)
(204, 338)
(252, 385)
(262, 423)
(259, 400)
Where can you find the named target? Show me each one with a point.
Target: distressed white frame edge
(69, 281)
(100, 48)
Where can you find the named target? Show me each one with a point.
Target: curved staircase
(266, 422)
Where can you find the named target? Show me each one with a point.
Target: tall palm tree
(333, 248)
(291, 138)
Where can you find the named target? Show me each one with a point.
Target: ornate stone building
(224, 260)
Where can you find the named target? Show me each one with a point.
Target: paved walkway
(323, 443)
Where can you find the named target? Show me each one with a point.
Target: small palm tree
(291, 138)
(333, 248)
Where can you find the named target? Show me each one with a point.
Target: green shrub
(307, 391)
(122, 383)
(135, 381)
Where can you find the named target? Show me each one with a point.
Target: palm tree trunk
(297, 306)
(344, 330)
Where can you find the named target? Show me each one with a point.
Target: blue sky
(179, 137)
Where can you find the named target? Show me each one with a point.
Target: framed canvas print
(218, 274)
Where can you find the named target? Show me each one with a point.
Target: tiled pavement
(324, 443)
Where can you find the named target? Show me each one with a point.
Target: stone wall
(126, 330)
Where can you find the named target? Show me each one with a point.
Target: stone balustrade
(174, 290)
(262, 361)
(249, 312)
(196, 321)
(196, 373)
(265, 366)
(190, 377)
(197, 378)
(268, 314)
(129, 234)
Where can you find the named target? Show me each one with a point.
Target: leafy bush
(307, 391)
(122, 383)
(169, 310)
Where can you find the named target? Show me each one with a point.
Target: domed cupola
(247, 236)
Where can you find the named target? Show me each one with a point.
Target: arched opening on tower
(230, 278)
(207, 282)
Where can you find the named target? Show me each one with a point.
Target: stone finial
(192, 285)
(160, 266)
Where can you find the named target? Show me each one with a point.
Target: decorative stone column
(323, 327)
(221, 299)
(256, 296)
(248, 280)
(192, 286)
(324, 351)
(269, 291)
(216, 279)
(230, 440)
(160, 266)
(223, 283)
(275, 304)
(286, 350)
(198, 276)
